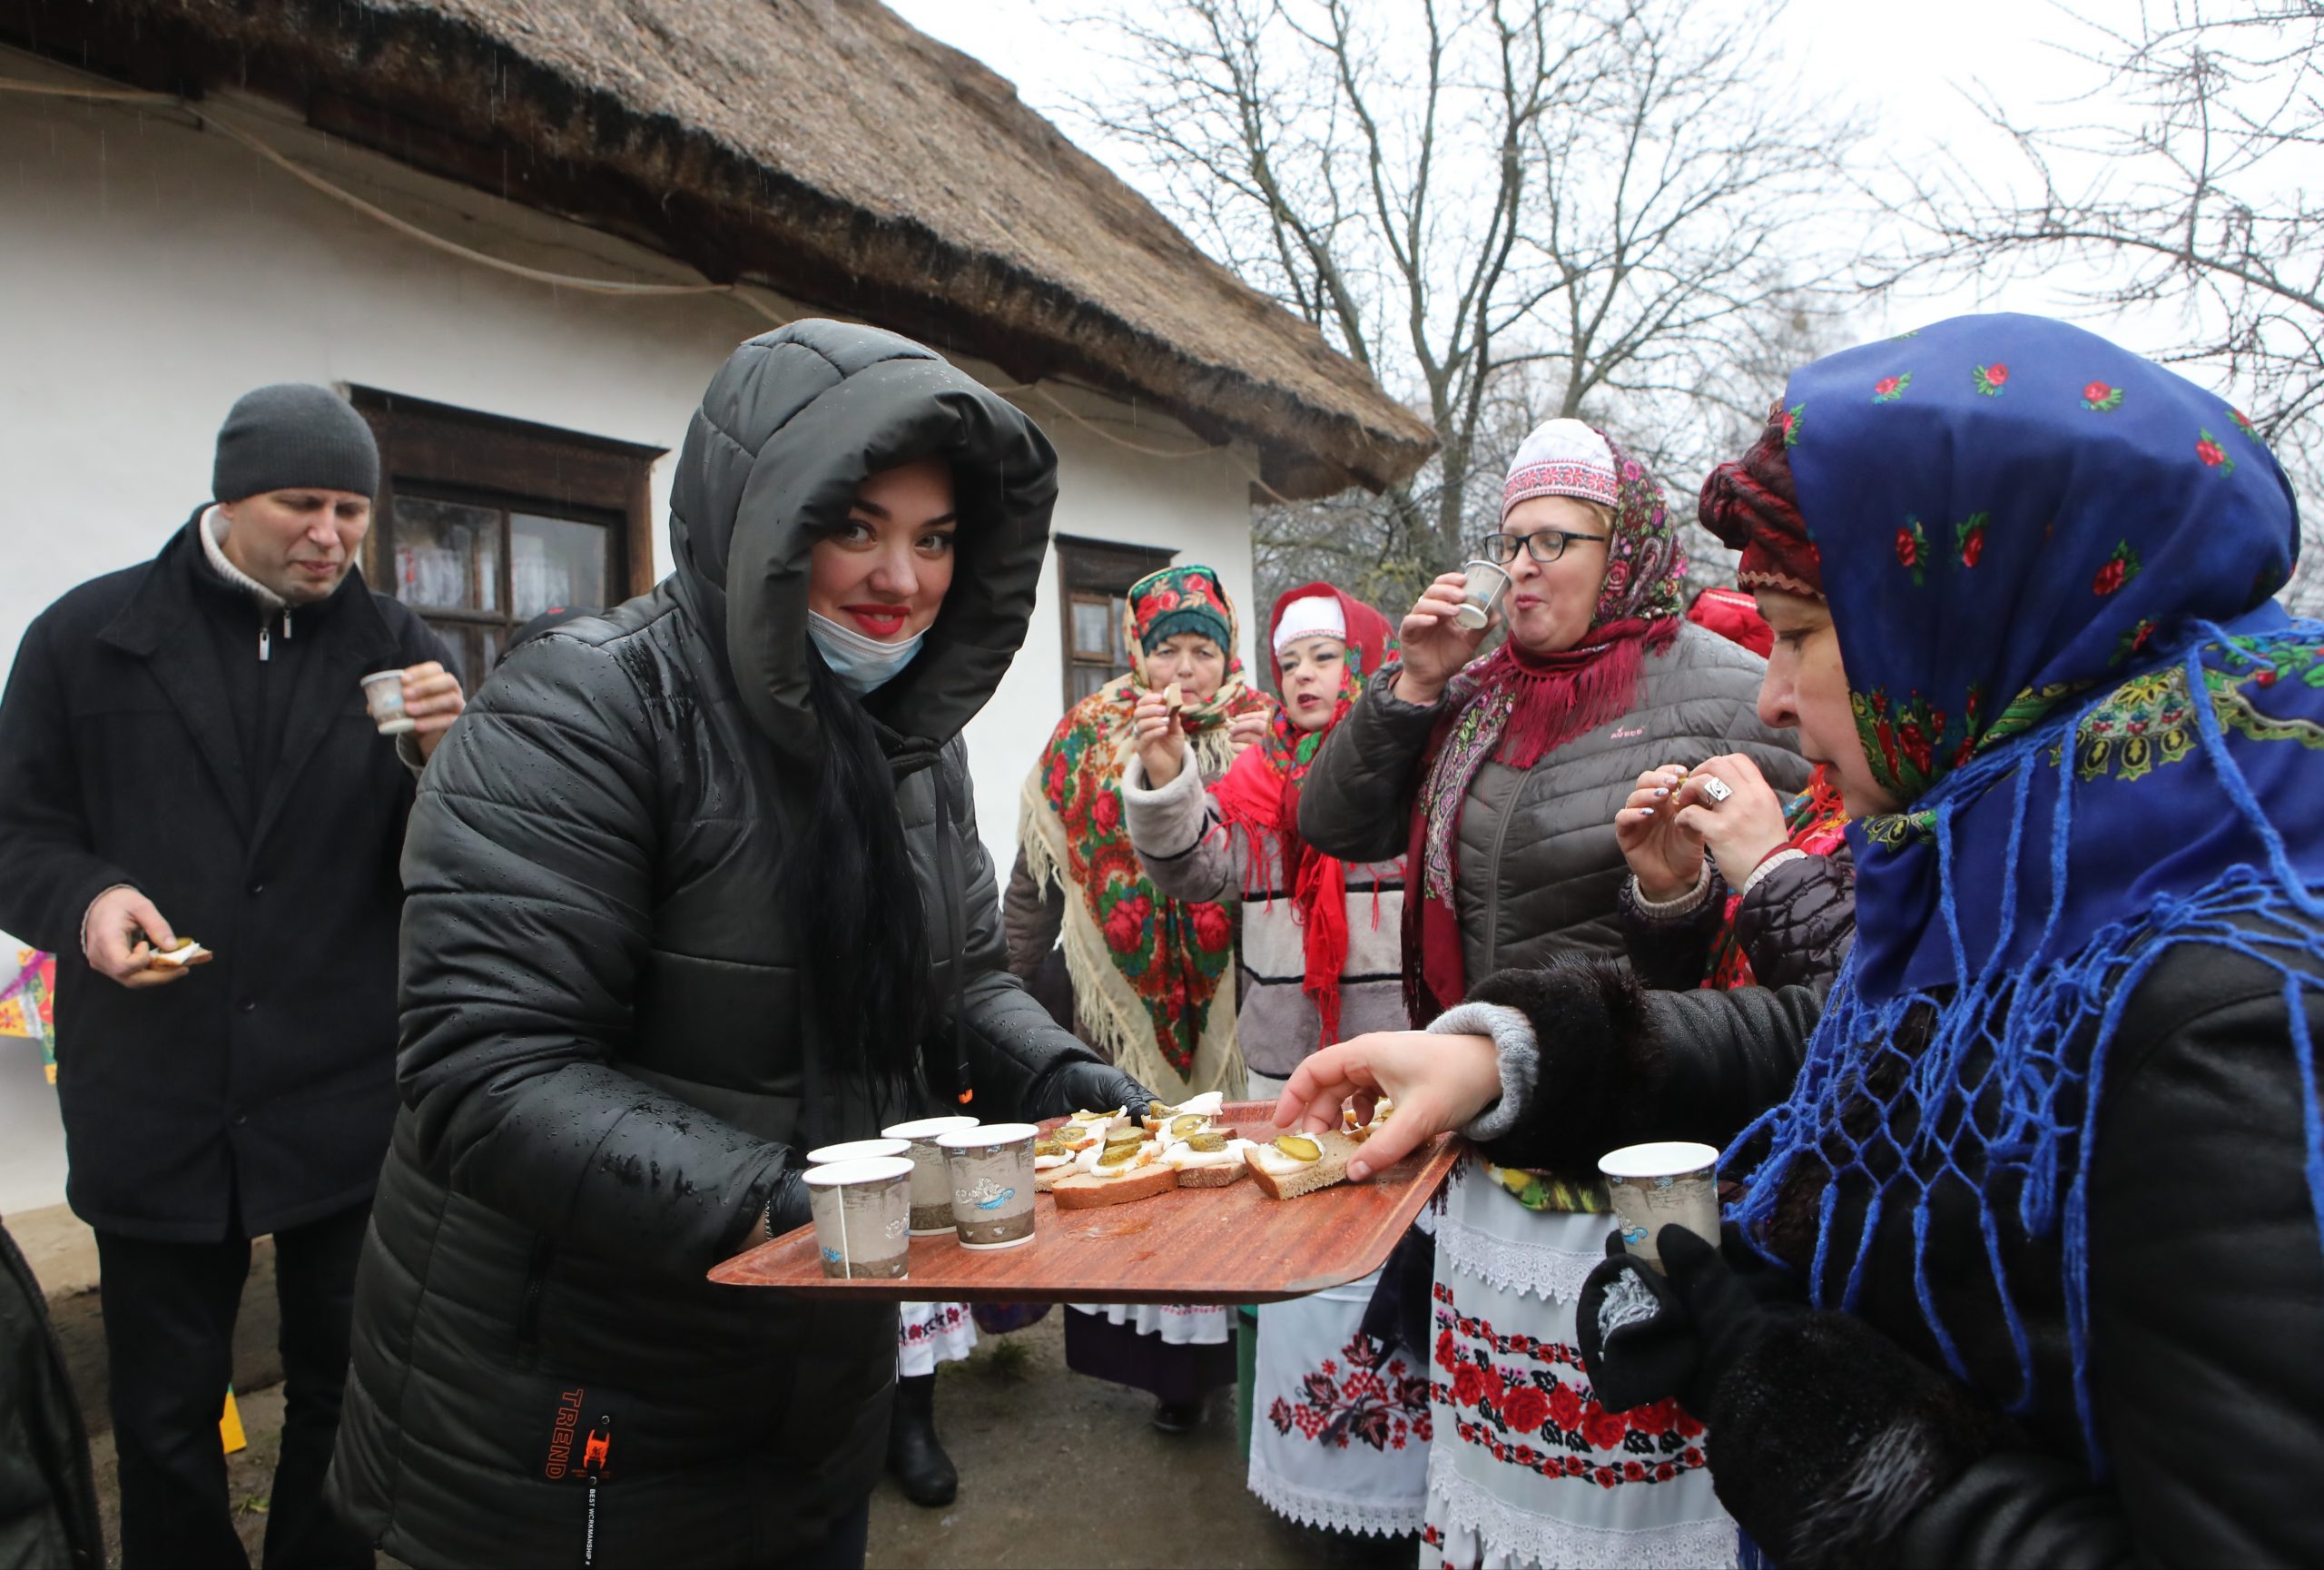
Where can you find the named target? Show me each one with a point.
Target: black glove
(1645, 1336)
(1085, 1085)
(1824, 1435)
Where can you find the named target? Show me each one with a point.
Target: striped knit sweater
(1192, 854)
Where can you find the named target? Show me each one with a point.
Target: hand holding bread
(1248, 729)
(1437, 1082)
(121, 933)
(1161, 738)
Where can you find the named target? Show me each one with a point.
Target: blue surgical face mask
(863, 664)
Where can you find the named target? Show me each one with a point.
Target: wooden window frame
(1087, 567)
(461, 454)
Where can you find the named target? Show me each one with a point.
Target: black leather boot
(922, 1469)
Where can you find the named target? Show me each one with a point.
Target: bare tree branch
(2200, 208)
(1504, 209)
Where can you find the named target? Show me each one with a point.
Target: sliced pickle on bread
(1287, 1169)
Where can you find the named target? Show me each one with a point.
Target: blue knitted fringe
(2016, 1057)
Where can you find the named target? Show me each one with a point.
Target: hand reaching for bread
(1437, 1081)
(122, 936)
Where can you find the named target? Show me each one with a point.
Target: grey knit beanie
(293, 434)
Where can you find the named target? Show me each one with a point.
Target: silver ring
(1716, 789)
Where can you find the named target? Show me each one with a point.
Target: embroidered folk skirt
(927, 1334)
(1526, 1468)
(1339, 1423)
(1176, 1352)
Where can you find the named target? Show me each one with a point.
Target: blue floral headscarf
(2050, 566)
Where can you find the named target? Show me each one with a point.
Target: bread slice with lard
(1283, 1175)
(1086, 1191)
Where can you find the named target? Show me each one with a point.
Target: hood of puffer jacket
(792, 423)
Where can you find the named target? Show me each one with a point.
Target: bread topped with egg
(1296, 1164)
(185, 952)
(1057, 1150)
(1360, 1132)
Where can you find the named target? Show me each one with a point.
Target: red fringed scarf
(1259, 796)
(1514, 708)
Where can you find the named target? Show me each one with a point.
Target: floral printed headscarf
(2050, 565)
(1152, 978)
(1516, 707)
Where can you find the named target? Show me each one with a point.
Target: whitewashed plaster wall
(151, 271)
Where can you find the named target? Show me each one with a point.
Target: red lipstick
(879, 620)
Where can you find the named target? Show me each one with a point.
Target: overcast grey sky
(1905, 63)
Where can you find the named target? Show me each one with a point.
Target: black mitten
(1645, 1336)
(1824, 1435)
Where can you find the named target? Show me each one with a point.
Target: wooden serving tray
(1230, 1245)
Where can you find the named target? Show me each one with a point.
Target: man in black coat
(186, 753)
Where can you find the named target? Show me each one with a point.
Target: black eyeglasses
(1542, 544)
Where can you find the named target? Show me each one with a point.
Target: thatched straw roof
(821, 144)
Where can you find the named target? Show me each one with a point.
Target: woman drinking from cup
(696, 887)
(2034, 1235)
(1152, 979)
(1503, 776)
(1731, 884)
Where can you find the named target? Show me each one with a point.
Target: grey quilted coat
(1537, 872)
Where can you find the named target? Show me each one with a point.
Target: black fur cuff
(1826, 1438)
(1598, 1060)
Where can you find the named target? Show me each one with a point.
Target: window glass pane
(554, 562)
(1116, 615)
(474, 649)
(446, 554)
(1094, 633)
(1088, 678)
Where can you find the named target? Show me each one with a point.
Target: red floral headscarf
(1146, 969)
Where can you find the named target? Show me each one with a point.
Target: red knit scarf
(1514, 708)
(1261, 798)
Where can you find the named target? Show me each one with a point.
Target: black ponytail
(855, 902)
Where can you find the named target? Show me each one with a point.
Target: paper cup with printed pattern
(992, 1184)
(931, 1184)
(1654, 1185)
(1488, 586)
(863, 1212)
(383, 696)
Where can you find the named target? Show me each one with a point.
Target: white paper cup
(1653, 1186)
(993, 1183)
(932, 1184)
(859, 1151)
(1488, 586)
(863, 1212)
(383, 696)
